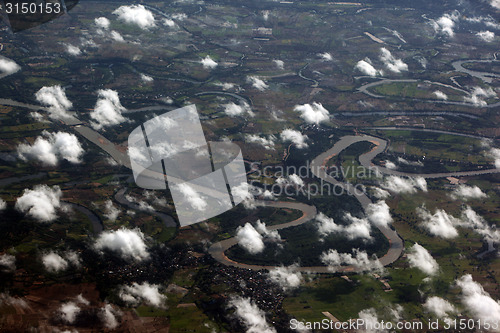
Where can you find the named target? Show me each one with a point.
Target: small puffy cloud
(41, 202)
(128, 243)
(116, 36)
(471, 220)
(257, 83)
(292, 180)
(487, 36)
(495, 3)
(108, 315)
(404, 185)
(440, 95)
(234, 110)
(286, 277)
(168, 22)
(406, 162)
(253, 318)
(325, 56)
(440, 307)
(297, 138)
(356, 228)
(390, 165)
(370, 321)
(73, 50)
(477, 301)
(264, 231)
(146, 78)
(192, 197)
(208, 63)
(102, 22)
(392, 64)
(495, 154)
(379, 193)
(279, 63)
(419, 257)
(268, 195)
(439, 224)
(445, 24)
(7, 262)
(8, 66)
(6, 299)
(54, 263)
(245, 192)
(365, 67)
(379, 214)
(464, 192)
(266, 143)
(110, 211)
(143, 293)
(51, 147)
(478, 95)
(250, 239)
(313, 113)
(136, 15)
(55, 98)
(108, 110)
(68, 312)
(360, 260)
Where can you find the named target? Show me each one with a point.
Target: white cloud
(108, 316)
(168, 23)
(392, 64)
(51, 147)
(404, 185)
(110, 211)
(365, 67)
(440, 223)
(192, 197)
(292, 180)
(143, 293)
(54, 263)
(55, 98)
(6, 299)
(313, 113)
(439, 307)
(116, 36)
(380, 193)
(357, 228)
(40, 203)
(495, 3)
(7, 262)
(130, 244)
(325, 56)
(297, 138)
(266, 143)
(286, 277)
(279, 63)
(470, 219)
(257, 83)
(464, 192)
(8, 66)
(445, 24)
(360, 260)
(390, 165)
(419, 257)
(268, 234)
(440, 95)
(268, 195)
(73, 50)
(477, 301)
(478, 95)
(250, 239)
(69, 311)
(495, 154)
(487, 36)
(108, 110)
(253, 318)
(102, 22)
(379, 214)
(146, 78)
(245, 192)
(136, 15)
(403, 161)
(370, 320)
(208, 63)
(233, 110)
